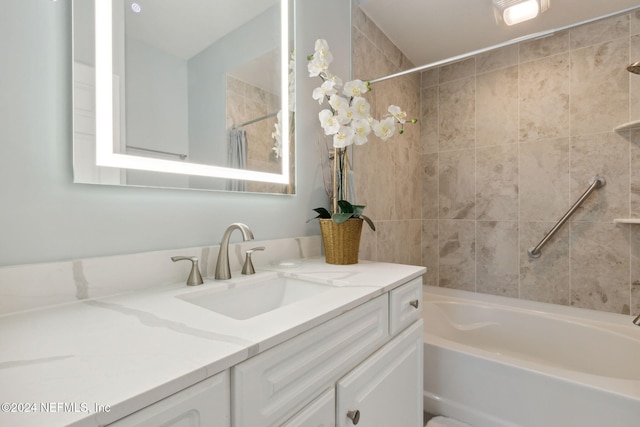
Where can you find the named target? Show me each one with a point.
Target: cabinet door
(319, 413)
(205, 404)
(386, 389)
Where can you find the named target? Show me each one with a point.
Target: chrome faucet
(636, 321)
(223, 271)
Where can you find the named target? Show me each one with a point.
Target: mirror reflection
(195, 98)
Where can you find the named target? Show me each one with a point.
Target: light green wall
(44, 217)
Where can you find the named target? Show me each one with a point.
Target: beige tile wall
(388, 173)
(508, 140)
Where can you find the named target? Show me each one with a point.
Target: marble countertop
(67, 364)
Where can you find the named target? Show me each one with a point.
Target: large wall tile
(428, 121)
(430, 251)
(635, 269)
(546, 278)
(497, 187)
(456, 254)
(544, 47)
(606, 155)
(634, 22)
(456, 114)
(497, 107)
(430, 77)
(544, 180)
(600, 266)
(599, 87)
(544, 98)
(497, 258)
(634, 147)
(497, 59)
(634, 79)
(430, 186)
(600, 31)
(397, 181)
(458, 70)
(400, 241)
(456, 184)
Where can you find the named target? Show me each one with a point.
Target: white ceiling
(427, 31)
(186, 27)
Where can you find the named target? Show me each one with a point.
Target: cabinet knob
(415, 303)
(354, 416)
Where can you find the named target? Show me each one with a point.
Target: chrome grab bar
(595, 183)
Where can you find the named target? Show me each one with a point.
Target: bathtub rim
(611, 322)
(590, 316)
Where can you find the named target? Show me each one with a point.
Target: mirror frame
(105, 155)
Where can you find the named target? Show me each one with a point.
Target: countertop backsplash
(33, 286)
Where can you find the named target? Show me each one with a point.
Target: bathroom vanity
(344, 348)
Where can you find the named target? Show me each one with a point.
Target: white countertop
(127, 351)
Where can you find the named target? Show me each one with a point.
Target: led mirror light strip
(104, 111)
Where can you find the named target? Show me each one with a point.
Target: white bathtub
(493, 362)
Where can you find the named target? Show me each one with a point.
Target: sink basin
(252, 299)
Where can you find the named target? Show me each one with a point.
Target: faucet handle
(247, 268)
(195, 278)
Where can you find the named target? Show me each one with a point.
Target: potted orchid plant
(348, 120)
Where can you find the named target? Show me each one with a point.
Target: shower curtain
(237, 157)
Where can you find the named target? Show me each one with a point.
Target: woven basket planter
(341, 241)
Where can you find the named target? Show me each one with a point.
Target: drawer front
(405, 305)
(272, 386)
(204, 404)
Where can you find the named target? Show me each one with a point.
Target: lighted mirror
(190, 94)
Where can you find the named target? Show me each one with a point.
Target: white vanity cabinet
(354, 356)
(319, 413)
(205, 404)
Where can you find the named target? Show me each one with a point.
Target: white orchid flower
(344, 137)
(384, 129)
(355, 88)
(317, 67)
(361, 129)
(397, 112)
(335, 79)
(344, 114)
(326, 89)
(329, 122)
(322, 51)
(360, 107)
(338, 102)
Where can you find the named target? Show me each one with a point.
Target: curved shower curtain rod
(456, 58)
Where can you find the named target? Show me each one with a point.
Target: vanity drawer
(272, 386)
(405, 305)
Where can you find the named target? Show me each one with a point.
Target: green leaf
(357, 210)
(369, 222)
(345, 206)
(322, 213)
(341, 217)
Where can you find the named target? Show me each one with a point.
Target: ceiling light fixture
(513, 12)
